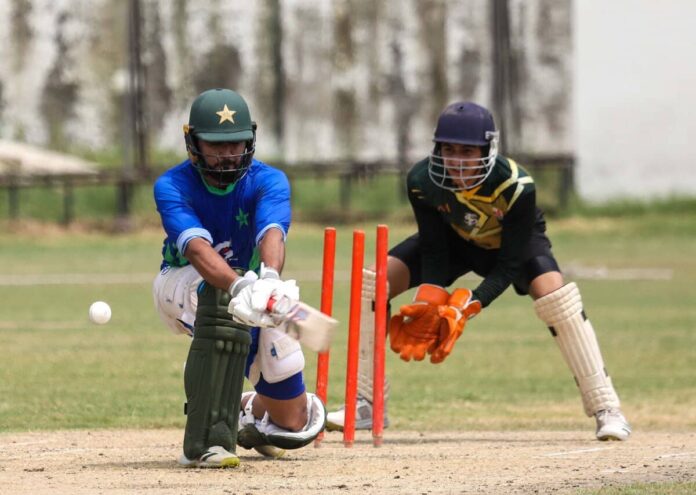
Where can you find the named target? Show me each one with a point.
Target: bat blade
(308, 325)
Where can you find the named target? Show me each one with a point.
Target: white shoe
(214, 457)
(612, 425)
(363, 416)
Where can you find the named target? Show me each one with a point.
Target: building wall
(351, 79)
(635, 95)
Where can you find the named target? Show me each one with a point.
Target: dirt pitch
(143, 461)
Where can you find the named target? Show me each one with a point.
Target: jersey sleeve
(432, 234)
(517, 229)
(179, 219)
(273, 205)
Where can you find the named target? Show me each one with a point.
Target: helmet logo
(226, 114)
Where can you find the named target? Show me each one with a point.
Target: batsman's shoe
(263, 432)
(363, 416)
(250, 438)
(612, 425)
(214, 457)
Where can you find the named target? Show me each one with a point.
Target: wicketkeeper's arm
(518, 226)
(432, 233)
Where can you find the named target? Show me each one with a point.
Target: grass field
(61, 372)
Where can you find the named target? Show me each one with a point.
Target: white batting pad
(279, 357)
(367, 337)
(563, 313)
(176, 299)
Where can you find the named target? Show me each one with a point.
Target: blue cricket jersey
(232, 220)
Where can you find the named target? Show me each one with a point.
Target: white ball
(99, 313)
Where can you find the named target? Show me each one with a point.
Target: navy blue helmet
(468, 124)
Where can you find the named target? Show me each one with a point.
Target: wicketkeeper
(476, 211)
(226, 213)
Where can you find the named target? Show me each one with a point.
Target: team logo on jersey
(498, 213)
(225, 250)
(226, 114)
(445, 208)
(242, 218)
(470, 219)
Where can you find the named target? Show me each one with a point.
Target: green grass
(59, 371)
(645, 489)
(632, 207)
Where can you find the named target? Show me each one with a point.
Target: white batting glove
(251, 296)
(271, 286)
(241, 307)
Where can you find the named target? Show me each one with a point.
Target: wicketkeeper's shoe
(612, 425)
(214, 457)
(363, 416)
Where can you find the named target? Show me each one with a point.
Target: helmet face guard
(458, 174)
(229, 168)
(467, 124)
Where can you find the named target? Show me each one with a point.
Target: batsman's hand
(241, 307)
(250, 296)
(270, 286)
(460, 308)
(416, 329)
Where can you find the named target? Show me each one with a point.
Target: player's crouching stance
(220, 209)
(476, 212)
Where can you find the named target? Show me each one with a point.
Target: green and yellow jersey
(500, 214)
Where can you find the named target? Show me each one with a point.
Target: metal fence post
(345, 190)
(13, 196)
(567, 182)
(68, 201)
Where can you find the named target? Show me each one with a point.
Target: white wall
(635, 98)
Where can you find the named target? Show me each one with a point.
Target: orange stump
(381, 297)
(353, 337)
(327, 284)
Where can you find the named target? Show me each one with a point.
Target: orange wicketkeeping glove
(459, 309)
(416, 329)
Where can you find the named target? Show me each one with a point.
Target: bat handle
(271, 302)
(279, 306)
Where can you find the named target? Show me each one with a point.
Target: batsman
(226, 217)
(476, 212)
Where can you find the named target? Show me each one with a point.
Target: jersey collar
(216, 190)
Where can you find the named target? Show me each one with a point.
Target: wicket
(380, 309)
(327, 281)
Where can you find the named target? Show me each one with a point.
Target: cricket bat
(308, 325)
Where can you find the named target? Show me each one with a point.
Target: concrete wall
(635, 98)
(352, 78)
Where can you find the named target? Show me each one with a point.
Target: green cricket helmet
(219, 116)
